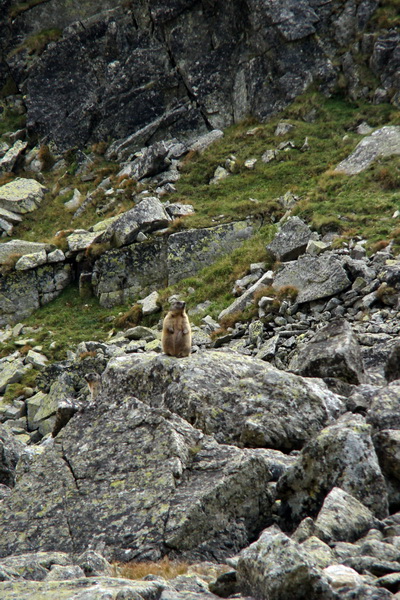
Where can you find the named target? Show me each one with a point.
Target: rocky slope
(268, 459)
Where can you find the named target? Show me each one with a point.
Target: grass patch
(68, 320)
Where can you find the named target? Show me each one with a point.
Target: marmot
(93, 381)
(176, 339)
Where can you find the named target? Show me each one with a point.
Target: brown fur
(94, 384)
(176, 338)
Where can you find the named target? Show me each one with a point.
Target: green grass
(346, 202)
(68, 320)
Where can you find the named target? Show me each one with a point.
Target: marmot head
(177, 306)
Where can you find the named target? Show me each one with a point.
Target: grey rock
(333, 352)
(204, 141)
(56, 256)
(36, 359)
(342, 455)
(103, 588)
(382, 142)
(22, 292)
(35, 566)
(10, 451)
(179, 210)
(149, 161)
(236, 398)
(120, 275)
(31, 261)
(220, 174)
(275, 567)
(9, 216)
(314, 277)
(247, 297)
(81, 240)
(12, 372)
(320, 552)
(150, 304)
(7, 162)
(383, 412)
(340, 576)
(148, 215)
(59, 573)
(343, 518)
(291, 240)
(140, 333)
(94, 564)
(19, 247)
(387, 445)
(21, 195)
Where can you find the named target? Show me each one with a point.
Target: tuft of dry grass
(166, 568)
(130, 318)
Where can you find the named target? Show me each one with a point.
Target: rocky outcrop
(192, 67)
(382, 142)
(23, 291)
(189, 490)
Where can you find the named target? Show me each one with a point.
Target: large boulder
(236, 398)
(291, 240)
(7, 162)
(313, 277)
(343, 518)
(140, 481)
(383, 412)
(382, 142)
(21, 195)
(341, 455)
(17, 248)
(148, 215)
(80, 589)
(248, 295)
(275, 567)
(334, 351)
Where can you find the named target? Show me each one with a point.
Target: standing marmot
(176, 336)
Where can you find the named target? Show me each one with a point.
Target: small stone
(250, 163)
(283, 128)
(269, 155)
(150, 304)
(220, 173)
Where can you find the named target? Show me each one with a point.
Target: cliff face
(159, 69)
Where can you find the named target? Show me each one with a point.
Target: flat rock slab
(236, 398)
(81, 239)
(140, 481)
(383, 142)
(91, 588)
(21, 195)
(19, 248)
(314, 277)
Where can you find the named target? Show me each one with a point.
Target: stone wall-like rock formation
(159, 69)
